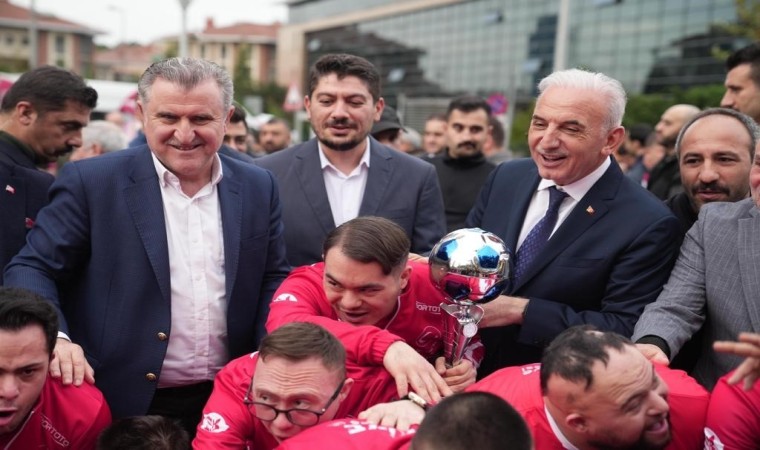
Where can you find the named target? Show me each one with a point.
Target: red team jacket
(521, 387)
(228, 424)
(65, 417)
(418, 320)
(349, 434)
(733, 418)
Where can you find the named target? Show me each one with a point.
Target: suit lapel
(143, 197)
(748, 243)
(231, 208)
(590, 209)
(309, 173)
(378, 178)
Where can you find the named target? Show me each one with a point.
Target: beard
(610, 442)
(339, 146)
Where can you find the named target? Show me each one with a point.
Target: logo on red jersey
(712, 442)
(286, 298)
(55, 434)
(214, 423)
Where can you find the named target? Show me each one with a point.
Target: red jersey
(417, 320)
(228, 424)
(521, 387)
(733, 418)
(65, 417)
(349, 434)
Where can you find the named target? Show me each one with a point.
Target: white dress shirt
(540, 201)
(198, 337)
(345, 192)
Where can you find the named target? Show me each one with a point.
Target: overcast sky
(145, 20)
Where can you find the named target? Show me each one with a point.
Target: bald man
(665, 179)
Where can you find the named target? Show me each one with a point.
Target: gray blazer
(400, 187)
(715, 283)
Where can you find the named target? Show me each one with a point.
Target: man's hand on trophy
(504, 310)
(409, 368)
(458, 377)
(400, 414)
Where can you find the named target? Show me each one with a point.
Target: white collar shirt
(197, 347)
(345, 192)
(540, 201)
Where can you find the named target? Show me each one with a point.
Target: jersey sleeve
(226, 421)
(733, 417)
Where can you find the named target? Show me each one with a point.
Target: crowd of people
(193, 292)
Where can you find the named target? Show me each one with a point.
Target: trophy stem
(460, 324)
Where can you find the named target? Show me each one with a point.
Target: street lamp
(183, 35)
(122, 22)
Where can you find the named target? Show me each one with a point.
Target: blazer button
(162, 336)
(151, 376)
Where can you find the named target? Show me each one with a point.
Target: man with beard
(714, 150)
(462, 167)
(664, 181)
(43, 114)
(714, 287)
(593, 390)
(344, 173)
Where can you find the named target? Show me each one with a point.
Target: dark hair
(472, 420)
(369, 239)
(640, 132)
(468, 103)
(497, 131)
(441, 117)
(49, 88)
(573, 353)
(20, 308)
(297, 341)
(747, 55)
(278, 120)
(344, 65)
(753, 130)
(238, 114)
(144, 433)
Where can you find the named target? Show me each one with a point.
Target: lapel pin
(590, 211)
(9, 188)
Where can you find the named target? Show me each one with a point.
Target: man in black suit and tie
(43, 114)
(344, 173)
(592, 247)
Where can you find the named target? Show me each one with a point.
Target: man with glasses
(297, 379)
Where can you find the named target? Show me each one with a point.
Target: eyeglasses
(297, 416)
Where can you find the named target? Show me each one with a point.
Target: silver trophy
(469, 266)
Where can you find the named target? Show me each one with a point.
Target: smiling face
(625, 407)
(24, 361)
(305, 384)
(360, 293)
(342, 111)
(715, 160)
(184, 128)
(568, 138)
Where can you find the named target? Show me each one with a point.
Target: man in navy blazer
(42, 118)
(162, 258)
(344, 173)
(613, 244)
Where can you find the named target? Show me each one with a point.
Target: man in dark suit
(343, 173)
(611, 245)
(162, 258)
(43, 114)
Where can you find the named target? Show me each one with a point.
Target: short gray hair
(107, 134)
(188, 73)
(749, 124)
(595, 81)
